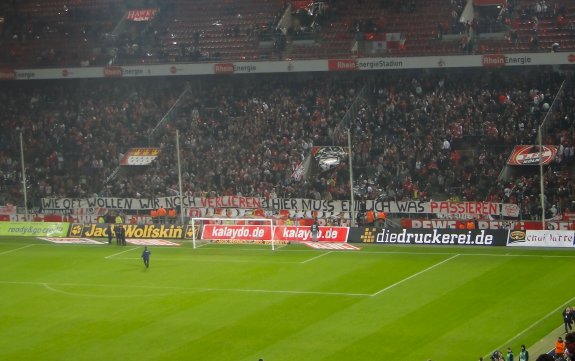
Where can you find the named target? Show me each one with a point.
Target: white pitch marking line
(55, 290)
(554, 312)
(189, 289)
(200, 245)
(16, 249)
(119, 253)
(211, 260)
(413, 275)
(291, 292)
(423, 253)
(316, 257)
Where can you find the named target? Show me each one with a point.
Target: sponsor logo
(7, 74)
(571, 58)
(325, 234)
(341, 64)
(132, 231)
(517, 235)
(173, 70)
(368, 235)
(132, 72)
(526, 155)
(113, 71)
(499, 60)
(263, 232)
(226, 68)
(521, 60)
(244, 68)
(493, 60)
(76, 230)
(192, 231)
(25, 75)
(435, 237)
(65, 73)
(542, 238)
(380, 64)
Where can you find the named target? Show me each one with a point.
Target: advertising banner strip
(291, 204)
(287, 66)
(539, 238)
(280, 233)
(437, 237)
(34, 229)
(80, 230)
(508, 224)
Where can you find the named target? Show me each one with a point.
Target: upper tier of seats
(94, 32)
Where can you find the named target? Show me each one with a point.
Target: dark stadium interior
(417, 134)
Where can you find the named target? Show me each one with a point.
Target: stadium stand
(248, 138)
(84, 33)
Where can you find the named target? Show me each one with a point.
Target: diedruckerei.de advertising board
(539, 238)
(438, 237)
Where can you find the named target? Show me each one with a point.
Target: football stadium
(238, 180)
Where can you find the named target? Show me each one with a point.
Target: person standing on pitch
(109, 231)
(146, 256)
(123, 235)
(509, 356)
(118, 232)
(523, 354)
(568, 319)
(314, 230)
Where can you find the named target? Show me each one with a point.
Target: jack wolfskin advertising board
(164, 231)
(34, 229)
(439, 237)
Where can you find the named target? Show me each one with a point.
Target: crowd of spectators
(416, 136)
(73, 132)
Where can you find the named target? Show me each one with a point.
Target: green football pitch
(243, 303)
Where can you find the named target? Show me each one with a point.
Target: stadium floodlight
(232, 230)
(551, 112)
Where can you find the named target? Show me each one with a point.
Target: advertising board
(439, 237)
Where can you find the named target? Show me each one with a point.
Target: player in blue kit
(146, 257)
